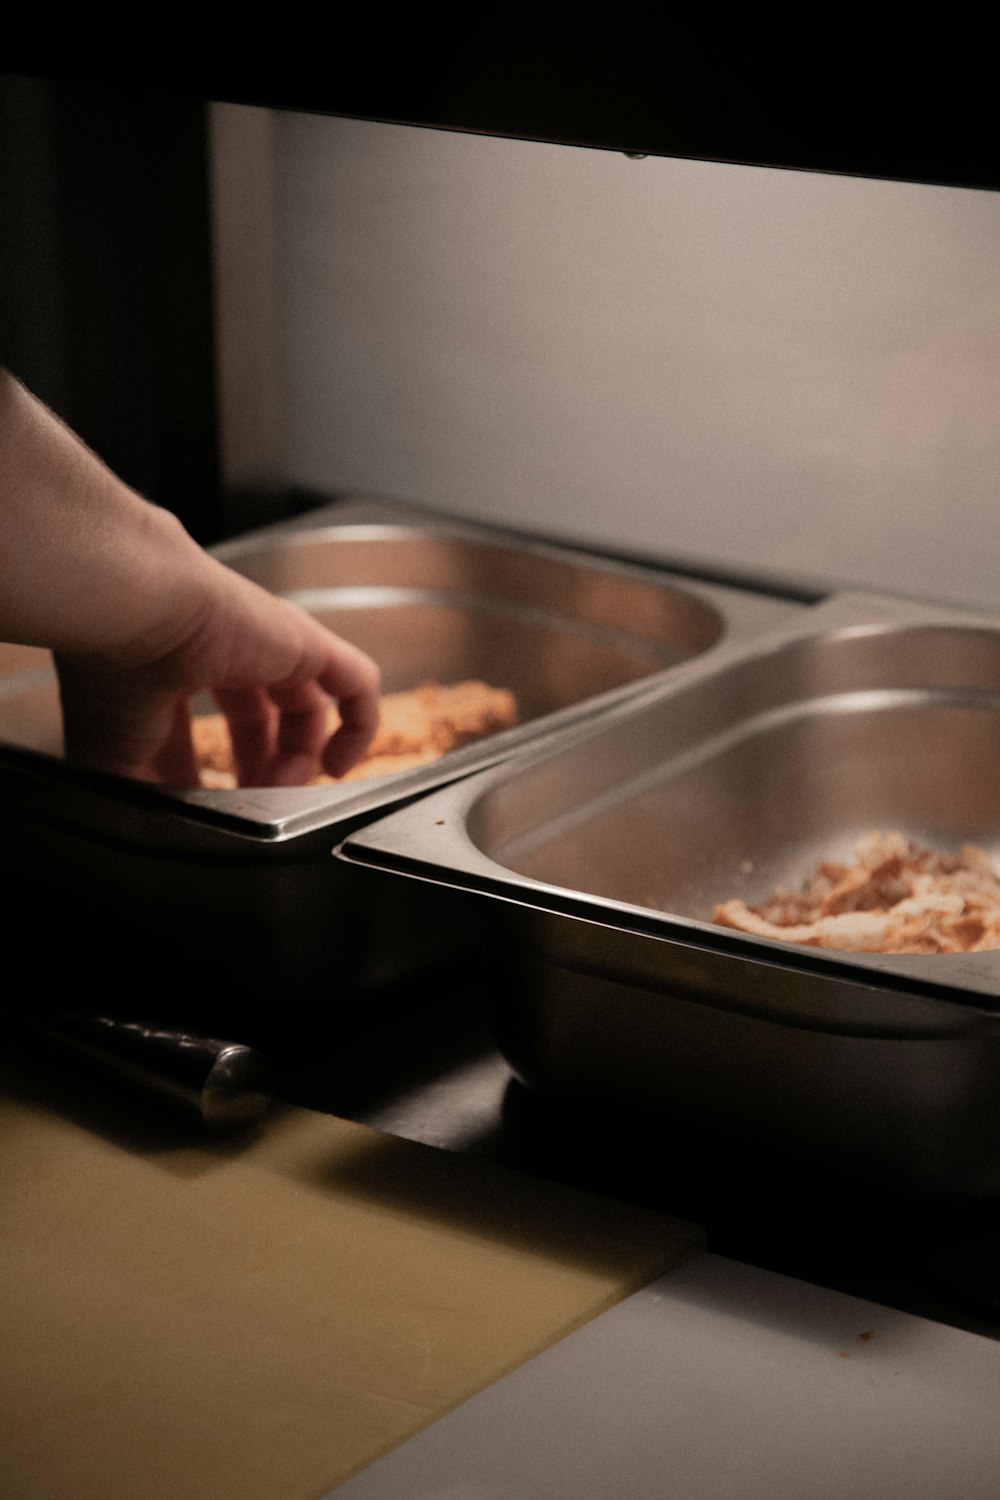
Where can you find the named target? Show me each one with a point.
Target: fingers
(176, 764)
(281, 735)
(281, 728)
(253, 729)
(303, 730)
(111, 723)
(272, 669)
(278, 734)
(357, 693)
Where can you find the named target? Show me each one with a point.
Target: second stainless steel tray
(598, 862)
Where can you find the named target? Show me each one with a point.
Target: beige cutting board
(259, 1321)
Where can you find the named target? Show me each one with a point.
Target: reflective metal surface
(609, 851)
(236, 891)
(567, 632)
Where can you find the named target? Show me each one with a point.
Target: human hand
(270, 667)
(140, 619)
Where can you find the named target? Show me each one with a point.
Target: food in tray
(898, 897)
(416, 726)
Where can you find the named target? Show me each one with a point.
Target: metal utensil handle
(223, 1085)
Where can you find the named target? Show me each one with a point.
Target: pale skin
(140, 618)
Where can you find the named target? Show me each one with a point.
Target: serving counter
(259, 1319)
(322, 1307)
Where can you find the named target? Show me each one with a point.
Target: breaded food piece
(416, 726)
(213, 748)
(441, 716)
(898, 897)
(218, 781)
(384, 765)
(365, 770)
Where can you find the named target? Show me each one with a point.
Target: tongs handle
(223, 1085)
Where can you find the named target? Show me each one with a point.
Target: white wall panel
(740, 365)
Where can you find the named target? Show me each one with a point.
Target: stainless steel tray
(428, 597)
(431, 598)
(601, 859)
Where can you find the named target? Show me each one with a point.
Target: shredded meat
(415, 727)
(898, 897)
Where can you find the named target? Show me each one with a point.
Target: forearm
(140, 618)
(85, 564)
